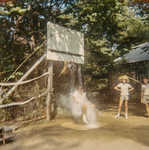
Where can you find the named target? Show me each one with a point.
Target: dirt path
(113, 134)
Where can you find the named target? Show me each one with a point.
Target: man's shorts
(146, 99)
(124, 97)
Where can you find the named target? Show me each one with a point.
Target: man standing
(78, 104)
(124, 89)
(83, 108)
(145, 95)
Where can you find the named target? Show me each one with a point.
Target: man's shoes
(126, 116)
(147, 115)
(117, 116)
(85, 119)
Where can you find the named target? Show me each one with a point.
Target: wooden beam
(50, 90)
(72, 76)
(80, 76)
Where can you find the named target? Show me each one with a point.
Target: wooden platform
(6, 133)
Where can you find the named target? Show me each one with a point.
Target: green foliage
(97, 19)
(22, 28)
(105, 23)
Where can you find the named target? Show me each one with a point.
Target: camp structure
(137, 61)
(62, 45)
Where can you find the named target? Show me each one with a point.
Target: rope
(36, 49)
(134, 79)
(23, 82)
(22, 103)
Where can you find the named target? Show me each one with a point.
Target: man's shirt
(145, 88)
(124, 88)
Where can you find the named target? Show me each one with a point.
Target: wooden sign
(64, 44)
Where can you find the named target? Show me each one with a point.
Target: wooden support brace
(80, 76)
(50, 90)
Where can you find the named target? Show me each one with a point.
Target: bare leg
(126, 109)
(147, 109)
(84, 111)
(119, 108)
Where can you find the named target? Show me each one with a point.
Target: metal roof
(137, 54)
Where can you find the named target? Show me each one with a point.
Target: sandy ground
(113, 134)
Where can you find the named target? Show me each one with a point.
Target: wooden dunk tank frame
(65, 45)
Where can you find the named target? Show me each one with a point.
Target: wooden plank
(6, 133)
(50, 90)
(7, 137)
(72, 76)
(80, 76)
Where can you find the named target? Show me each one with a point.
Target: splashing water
(80, 108)
(77, 102)
(90, 116)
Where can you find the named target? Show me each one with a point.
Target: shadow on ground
(135, 129)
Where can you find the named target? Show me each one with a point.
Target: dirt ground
(113, 134)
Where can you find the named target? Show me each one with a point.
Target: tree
(98, 20)
(105, 23)
(23, 27)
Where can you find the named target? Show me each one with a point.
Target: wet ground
(114, 134)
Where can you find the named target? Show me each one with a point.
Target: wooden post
(72, 76)
(50, 90)
(80, 76)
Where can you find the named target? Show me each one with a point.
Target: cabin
(136, 61)
(136, 65)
